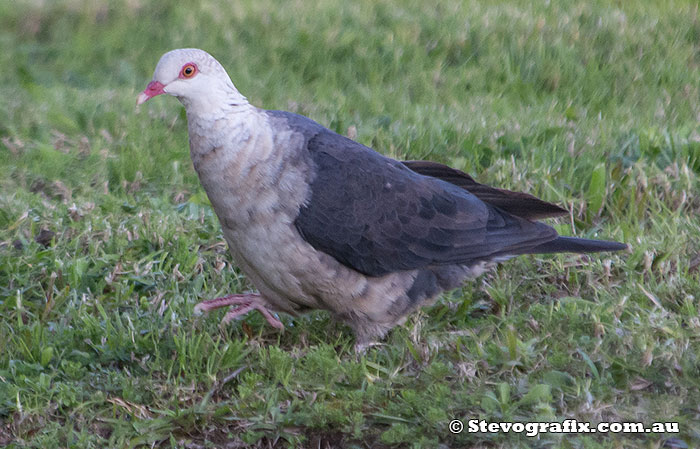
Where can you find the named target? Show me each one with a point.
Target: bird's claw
(240, 305)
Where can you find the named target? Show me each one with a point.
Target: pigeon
(316, 220)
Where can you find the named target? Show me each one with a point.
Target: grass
(107, 240)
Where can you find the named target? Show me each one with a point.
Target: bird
(316, 220)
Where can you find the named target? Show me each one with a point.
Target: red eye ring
(188, 70)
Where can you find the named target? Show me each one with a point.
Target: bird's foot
(240, 305)
(362, 347)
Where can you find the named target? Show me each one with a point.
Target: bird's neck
(233, 133)
(237, 161)
(213, 104)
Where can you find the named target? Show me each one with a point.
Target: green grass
(593, 105)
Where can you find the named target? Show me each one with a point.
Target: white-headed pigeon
(318, 221)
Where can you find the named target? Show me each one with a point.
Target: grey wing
(373, 214)
(515, 203)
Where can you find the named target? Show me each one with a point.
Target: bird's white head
(195, 78)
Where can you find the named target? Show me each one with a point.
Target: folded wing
(377, 216)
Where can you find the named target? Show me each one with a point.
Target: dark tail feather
(576, 245)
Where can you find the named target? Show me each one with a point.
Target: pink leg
(241, 304)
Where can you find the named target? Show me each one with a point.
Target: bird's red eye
(188, 70)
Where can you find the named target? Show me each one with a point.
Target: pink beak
(154, 88)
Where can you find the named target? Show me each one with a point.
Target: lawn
(107, 240)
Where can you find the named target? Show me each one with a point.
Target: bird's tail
(576, 245)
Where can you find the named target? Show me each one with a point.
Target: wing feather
(377, 216)
(517, 203)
